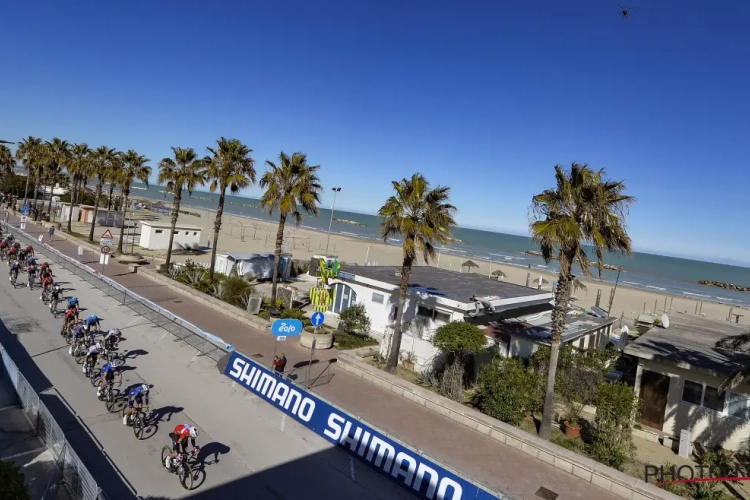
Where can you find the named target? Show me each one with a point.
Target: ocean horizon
(651, 272)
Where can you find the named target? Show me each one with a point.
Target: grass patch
(344, 340)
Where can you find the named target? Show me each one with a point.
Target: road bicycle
(13, 278)
(109, 394)
(113, 357)
(53, 306)
(180, 466)
(138, 420)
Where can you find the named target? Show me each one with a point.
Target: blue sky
(485, 97)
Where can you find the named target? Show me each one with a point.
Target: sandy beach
(241, 234)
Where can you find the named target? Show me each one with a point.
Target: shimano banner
(399, 464)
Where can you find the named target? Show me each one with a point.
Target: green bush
(12, 486)
(458, 340)
(235, 289)
(346, 340)
(617, 408)
(354, 319)
(507, 389)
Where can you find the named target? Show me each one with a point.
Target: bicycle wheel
(186, 476)
(78, 353)
(165, 452)
(111, 400)
(93, 377)
(138, 426)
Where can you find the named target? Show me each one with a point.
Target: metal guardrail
(205, 343)
(79, 481)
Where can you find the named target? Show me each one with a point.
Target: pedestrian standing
(51, 231)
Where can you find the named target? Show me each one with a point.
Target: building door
(343, 297)
(654, 391)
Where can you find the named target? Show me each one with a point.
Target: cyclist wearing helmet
(77, 334)
(56, 293)
(31, 261)
(108, 376)
(138, 395)
(70, 319)
(12, 254)
(29, 250)
(179, 437)
(92, 321)
(15, 267)
(112, 338)
(47, 283)
(92, 355)
(72, 302)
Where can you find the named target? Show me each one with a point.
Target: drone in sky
(625, 12)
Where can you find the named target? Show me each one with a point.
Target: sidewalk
(489, 462)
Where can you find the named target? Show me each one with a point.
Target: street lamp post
(335, 190)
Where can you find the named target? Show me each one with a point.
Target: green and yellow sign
(321, 298)
(329, 271)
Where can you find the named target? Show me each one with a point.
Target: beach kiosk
(155, 236)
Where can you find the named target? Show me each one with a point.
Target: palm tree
(134, 167)
(114, 170)
(28, 152)
(59, 157)
(103, 158)
(423, 217)
(42, 162)
(582, 209)
(290, 185)
(7, 162)
(186, 171)
(230, 167)
(77, 170)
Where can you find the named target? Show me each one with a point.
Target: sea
(655, 273)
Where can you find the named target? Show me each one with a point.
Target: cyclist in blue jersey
(108, 376)
(137, 396)
(91, 322)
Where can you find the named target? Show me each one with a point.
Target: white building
(155, 236)
(65, 212)
(679, 372)
(436, 297)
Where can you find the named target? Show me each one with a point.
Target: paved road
(248, 449)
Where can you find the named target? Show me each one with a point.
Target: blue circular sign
(317, 318)
(286, 327)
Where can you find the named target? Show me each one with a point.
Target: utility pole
(335, 190)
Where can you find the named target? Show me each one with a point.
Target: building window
(738, 405)
(441, 317)
(425, 312)
(195, 233)
(712, 400)
(692, 393)
(378, 298)
(158, 231)
(176, 232)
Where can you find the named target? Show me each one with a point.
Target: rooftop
(539, 327)
(444, 283)
(167, 225)
(690, 342)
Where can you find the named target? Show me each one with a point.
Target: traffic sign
(105, 250)
(25, 209)
(286, 328)
(23, 219)
(106, 240)
(317, 318)
(281, 338)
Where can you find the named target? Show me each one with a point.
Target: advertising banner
(399, 464)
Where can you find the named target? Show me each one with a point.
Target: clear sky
(485, 97)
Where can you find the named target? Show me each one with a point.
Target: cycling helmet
(193, 432)
(45, 265)
(114, 331)
(144, 387)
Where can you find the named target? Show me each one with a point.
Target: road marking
(283, 422)
(351, 469)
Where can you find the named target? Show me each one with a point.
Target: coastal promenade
(496, 465)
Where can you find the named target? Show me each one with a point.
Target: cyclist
(32, 276)
(12, 254)
(15, 267)
(108, 376)
(73, 304)
(3, 246)
(45, 270)
(92, 321)
(137, 396)
(70, 319)
(29, 250)
(78, 335)
(179, 437)
(56, 293)
(112, 338)
(30, 259)
(92, 356)
(47, 283)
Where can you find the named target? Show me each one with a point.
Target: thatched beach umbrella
(499, 275)
(469, 264)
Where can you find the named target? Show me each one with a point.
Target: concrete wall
(157, 238)
(708, 427)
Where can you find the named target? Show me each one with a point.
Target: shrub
(345, 340)
(11, 479)
(617, 408)
(235, 288)
(354, 319)
(507, 389)
(457, 340)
